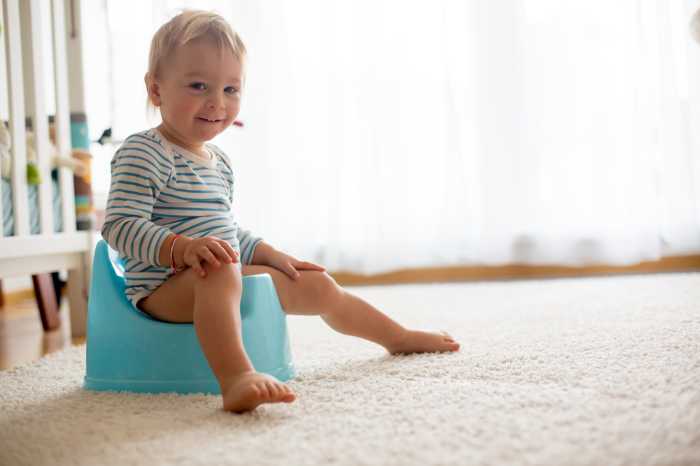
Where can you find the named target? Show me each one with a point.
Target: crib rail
(25, 76)
(27, 42)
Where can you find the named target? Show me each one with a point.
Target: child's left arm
(265, 254)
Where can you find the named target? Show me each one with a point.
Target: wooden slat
(46, 301)
(37, 245)
(40, 264)
(36, 83)
(47, 253)
(17, 116)
(62, 122)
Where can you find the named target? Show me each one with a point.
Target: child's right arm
(139, 172)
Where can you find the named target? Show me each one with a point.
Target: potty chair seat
(127, 350)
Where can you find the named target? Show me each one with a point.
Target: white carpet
(602, 371)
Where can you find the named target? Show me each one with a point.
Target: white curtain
(387, 134)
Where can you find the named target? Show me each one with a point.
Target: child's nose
(216, 101)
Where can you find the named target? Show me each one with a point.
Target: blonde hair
(188, 26)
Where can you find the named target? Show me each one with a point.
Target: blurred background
(382, 135)
(389, 134)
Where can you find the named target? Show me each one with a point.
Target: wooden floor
(23, 340)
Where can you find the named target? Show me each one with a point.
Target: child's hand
(207, 249)
(290, 265)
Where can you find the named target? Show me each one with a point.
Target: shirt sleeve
(247, 243)
(140, 169)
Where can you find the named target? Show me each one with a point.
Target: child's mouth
(208, 120)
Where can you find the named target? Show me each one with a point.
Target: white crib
(25, 253)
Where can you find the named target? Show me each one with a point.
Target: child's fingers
(209, 257)
(232, 253)
(291, 271)
(197, 267)
(309, 266)
(220, 252)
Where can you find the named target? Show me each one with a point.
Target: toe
(273, 389)
(288, 396)
(263, 390)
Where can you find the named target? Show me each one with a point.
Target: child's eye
(198, 86)
(231, 90)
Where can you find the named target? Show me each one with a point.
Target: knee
(225, 278)
(323, 289)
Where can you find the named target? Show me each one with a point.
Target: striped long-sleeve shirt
(159, 188)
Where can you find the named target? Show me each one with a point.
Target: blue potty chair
(127, 350)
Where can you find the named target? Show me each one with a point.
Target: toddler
(169, 216)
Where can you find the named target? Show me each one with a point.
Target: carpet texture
(561, 372)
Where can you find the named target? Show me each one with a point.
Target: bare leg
(316, 293)
(213, 304)
(353, 316)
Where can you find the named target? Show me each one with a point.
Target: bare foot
(250, 389)
(416, 341)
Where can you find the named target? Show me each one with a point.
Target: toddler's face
(198, 92)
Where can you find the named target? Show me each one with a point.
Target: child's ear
(153, 89)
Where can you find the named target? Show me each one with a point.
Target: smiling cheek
(184, 109)
(230, 118)
(233, 110)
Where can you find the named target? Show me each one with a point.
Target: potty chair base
(127, 350)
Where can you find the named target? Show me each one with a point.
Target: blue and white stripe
(158, 189)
